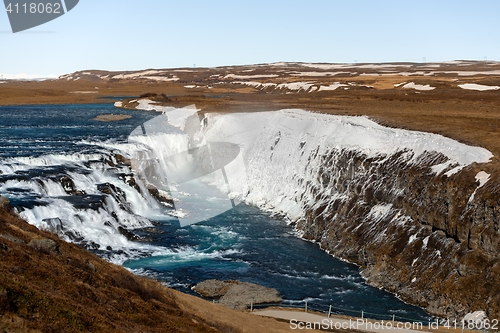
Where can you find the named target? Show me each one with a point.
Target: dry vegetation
(112, 117)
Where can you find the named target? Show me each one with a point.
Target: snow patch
(470, 73)
(138, 74)
(412, 85)
(425, 241)
(176, 117)
(481, 177)
(412, 239)
(327, 66)
(380, 210)
(153, 75)
(234, 76)
(332, 86)
(478, 87)
(296, 86)
(317, 74)
(160, 78)
(477, 317)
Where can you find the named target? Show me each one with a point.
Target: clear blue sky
(133, 34)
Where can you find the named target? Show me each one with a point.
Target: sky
(134, 35)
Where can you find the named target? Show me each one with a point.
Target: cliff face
(431, 239)
(415, 210)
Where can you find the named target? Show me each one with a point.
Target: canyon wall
(416, 211)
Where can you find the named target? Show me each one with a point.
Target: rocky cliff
(433, 240)
(417, 211)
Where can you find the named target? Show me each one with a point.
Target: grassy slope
(75, 291)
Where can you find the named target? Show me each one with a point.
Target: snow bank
(332, 86)
(293, 86)
(296, 86)
(234, 76)
(482, 177)
(479, 87)
(283, 150)
(320, 73)
(138, 74)
(412, 85)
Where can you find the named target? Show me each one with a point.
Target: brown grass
(75, 291)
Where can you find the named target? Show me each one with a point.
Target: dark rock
(129, 234)
(214, 288)
(242, 295)
(74, 236)
(162, 197)
(54, 225)
(116, 192)
(12, 239)
(17, 270)
(120, 159)
(130, 181)
(153, 230)
(90, 246)
(105, 188)
(44, 245)
(4, 302)
(67, 184)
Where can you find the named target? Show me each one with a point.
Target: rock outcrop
(237, 294)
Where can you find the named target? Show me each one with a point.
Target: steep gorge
(416, 211)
